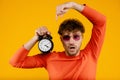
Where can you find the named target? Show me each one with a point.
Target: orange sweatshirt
(62, 67)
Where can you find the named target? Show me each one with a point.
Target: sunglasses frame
(76, 37)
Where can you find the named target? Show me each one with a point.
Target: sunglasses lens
(76, 37)
(66, 38)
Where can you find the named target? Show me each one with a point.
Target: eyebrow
(73, 33)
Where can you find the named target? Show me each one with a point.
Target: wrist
(31, 43)
(78, 7)
(35, 38)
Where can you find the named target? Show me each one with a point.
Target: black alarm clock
(45, 43)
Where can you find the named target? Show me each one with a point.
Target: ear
(61, 39)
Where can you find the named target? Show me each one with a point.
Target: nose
(71, 41)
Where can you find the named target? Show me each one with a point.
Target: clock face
(45, 45)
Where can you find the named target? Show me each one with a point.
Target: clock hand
(46, 46)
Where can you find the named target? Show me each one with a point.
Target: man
(73, 63)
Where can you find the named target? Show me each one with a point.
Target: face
(72, 42)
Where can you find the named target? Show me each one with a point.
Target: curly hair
(71, 25)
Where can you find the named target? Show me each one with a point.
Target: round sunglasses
(75, 37)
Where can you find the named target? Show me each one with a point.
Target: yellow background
(20, 18)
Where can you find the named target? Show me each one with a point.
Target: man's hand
(63, 8)
(41, 31)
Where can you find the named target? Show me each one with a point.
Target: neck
(67, 54)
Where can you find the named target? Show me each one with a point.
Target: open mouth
(72, 47)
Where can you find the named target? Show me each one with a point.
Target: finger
(47, 33)
(56, 17)
(37, 33)
(60, 12)
(44, 31)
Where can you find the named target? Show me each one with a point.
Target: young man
(73, 63)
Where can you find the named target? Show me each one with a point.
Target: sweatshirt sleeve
(22, 60)
(98, 31)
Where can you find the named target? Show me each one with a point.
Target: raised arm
(63, 8)
(98, 31)
(21, 58)
(97, 19)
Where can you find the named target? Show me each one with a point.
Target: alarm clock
(45, 43)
